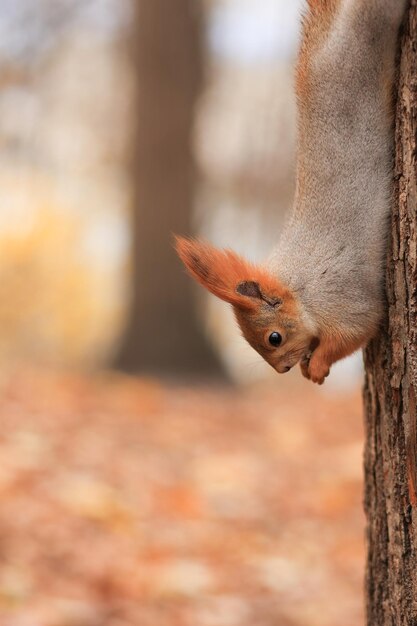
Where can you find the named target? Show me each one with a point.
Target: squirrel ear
(222, 272)
(253, 290)
(250, 289)
(229, 276)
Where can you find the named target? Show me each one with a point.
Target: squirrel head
(268, 313)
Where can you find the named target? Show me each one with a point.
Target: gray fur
(332, 250)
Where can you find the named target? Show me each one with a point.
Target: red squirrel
(319, 296)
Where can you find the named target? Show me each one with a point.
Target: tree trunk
(163, 334)
(391, 384)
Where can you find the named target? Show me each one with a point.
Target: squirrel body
(320, 296)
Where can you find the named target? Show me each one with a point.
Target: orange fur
(316, 24)
(221, 271)
(321, 8)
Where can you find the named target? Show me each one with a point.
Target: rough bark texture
(391, 384)
(163, 333)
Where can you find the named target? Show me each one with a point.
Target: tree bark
(391, 384)
(163, 333)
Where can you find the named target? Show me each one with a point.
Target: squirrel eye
(275, 339)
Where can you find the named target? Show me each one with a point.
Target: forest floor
(129, 502)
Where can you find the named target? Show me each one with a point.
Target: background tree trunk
(163, 334)
(391, 385)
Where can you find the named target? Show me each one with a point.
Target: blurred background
(153, 470)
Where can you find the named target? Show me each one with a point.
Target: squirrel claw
(304, 365)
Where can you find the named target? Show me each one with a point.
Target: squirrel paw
(318, 370)
(304, 365)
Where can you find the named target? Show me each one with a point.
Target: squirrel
(320, 295)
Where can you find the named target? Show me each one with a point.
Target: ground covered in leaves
(132, 503)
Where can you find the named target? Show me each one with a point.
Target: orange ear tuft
(223, 271)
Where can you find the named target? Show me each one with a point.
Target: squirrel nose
(282, 369)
